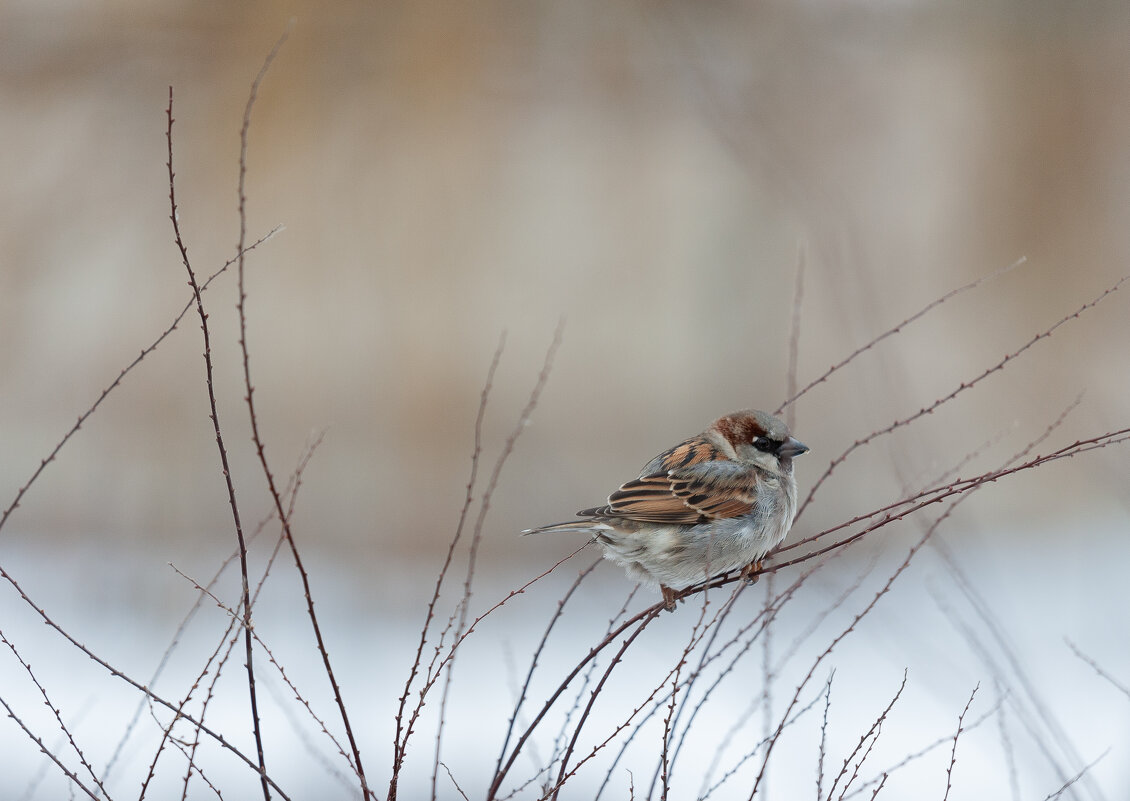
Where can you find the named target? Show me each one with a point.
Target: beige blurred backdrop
(650, 173)
(447, 171)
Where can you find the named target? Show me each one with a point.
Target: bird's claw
(752, 572)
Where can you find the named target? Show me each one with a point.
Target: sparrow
(716, 502)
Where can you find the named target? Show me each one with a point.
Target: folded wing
(691, 483)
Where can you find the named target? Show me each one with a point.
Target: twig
(256, 436)
(871, 735)
(271, 658)
(956, 734)
(936, 495)
(292, 488)
(1122, 688)
(43, 747)
(663, 760)
(400, 734)
(843, 634)
(962, 387)
(795, 396)
(521, 697)
(452, 777)
(708, 657)
(566, 773)
(54, 711)
(559, 742)
(921, 752)
(705, 792)
(1076, 777)
(666, 767)
(824, 735)
(173, 215)
(152, 346)
(484, 509)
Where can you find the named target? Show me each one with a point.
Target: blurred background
(652, 174)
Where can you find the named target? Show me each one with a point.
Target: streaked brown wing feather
(673, 491)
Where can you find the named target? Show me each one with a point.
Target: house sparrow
(714, 503)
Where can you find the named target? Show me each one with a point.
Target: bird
(717, 502)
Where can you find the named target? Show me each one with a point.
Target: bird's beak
(792, 447)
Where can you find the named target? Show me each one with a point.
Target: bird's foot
(752, 572)
(669, 596)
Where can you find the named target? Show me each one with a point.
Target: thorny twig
(484, 509)
(871, 735)
(795, 396)
(398, 750)
(173, 215)
(957, 734)
(962, 387)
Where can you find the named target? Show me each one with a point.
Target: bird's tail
(590, 527)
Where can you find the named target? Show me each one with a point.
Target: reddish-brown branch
(706, 792)
(827, 652)
(795, 396)
(214, 415)
(564, 772)
(697, 635)
(397, 749)
(649, 613)
(665, 766)
(56, 712)
(152, 346)
(47, 751)
(477, 532)
(869, 738)
(522, 693)
(167, 730)
(256, 436)
(921, 752)
(954, 488)
(148, 692)
(824, 735)
(962, 387)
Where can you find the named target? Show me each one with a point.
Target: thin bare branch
(795, 396)
(706, 792)
(1086, 769)
(451, 776)
(400, 733)
(477, 532)
(957, 734)
(174, 217)
(962, 387)
(921, 752)
(1095, 666)
(47, 752)
(152, 346)
(822, 752)
(256, 435)
(522, 693)
(870, 736)
(56, 712)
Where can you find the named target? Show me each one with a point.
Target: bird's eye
(765, 444)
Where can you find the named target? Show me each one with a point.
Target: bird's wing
(690, 483)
